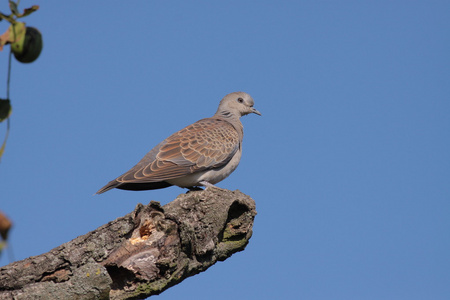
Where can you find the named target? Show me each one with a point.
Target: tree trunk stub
(138, 255)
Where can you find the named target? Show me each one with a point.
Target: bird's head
(237, 104)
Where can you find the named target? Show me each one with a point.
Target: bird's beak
(255, 111)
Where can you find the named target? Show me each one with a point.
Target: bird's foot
(210, 185)
(194, 188)
(206, 184)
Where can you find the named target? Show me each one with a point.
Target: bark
(138, 255)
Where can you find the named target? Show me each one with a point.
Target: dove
(201, 154)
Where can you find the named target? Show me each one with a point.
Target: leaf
(4, 38)
(2, 149)
(5, 109)
(28, 11)
(14, 34)
(17, 33)
(13, 7)
(5, 112)
(5, 226)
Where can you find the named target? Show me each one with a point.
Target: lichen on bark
(141, 254)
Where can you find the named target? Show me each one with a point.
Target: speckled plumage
(200, 154)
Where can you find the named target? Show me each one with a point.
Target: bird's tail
(112, 184)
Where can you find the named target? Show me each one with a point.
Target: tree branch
(138, 255)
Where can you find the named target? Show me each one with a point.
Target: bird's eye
(240, 100)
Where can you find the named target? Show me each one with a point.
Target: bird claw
(210, 185)
(194, 188)
(206, 184)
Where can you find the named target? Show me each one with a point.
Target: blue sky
(349, 164)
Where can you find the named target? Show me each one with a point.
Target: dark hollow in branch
(138, 255)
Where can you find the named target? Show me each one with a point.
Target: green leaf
(2, 149)
(5, 112)
(13, 7)
(17, 32)
(28, 11)
(5, 109)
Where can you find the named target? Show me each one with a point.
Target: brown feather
(208, 143)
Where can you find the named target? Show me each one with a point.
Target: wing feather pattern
(207, 144)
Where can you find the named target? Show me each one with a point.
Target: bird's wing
(206, 144)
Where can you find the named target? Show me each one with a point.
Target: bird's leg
(194, 188)
(207, 184)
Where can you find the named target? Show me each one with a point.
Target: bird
(199, 155)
